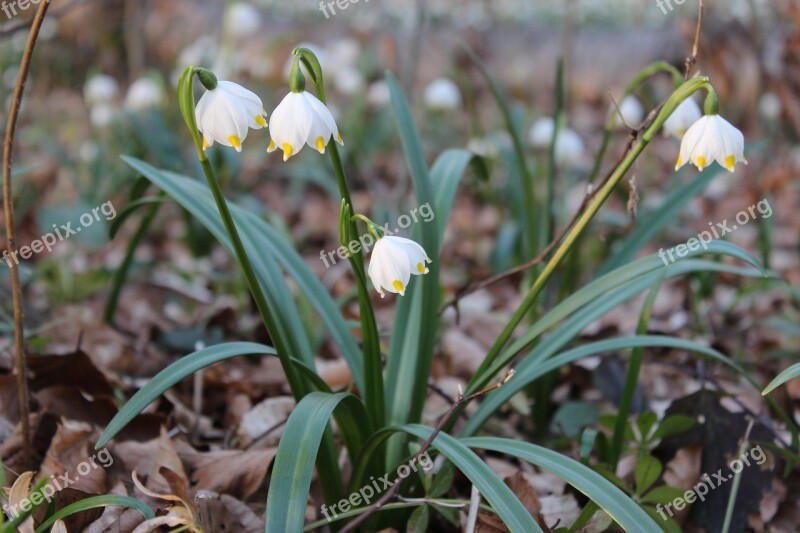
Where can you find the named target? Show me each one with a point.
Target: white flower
(712, 138)
(394, 260)
(242, 20)
(442, 94)
(569, 145)
(301, 119)
(225, 114)
(144, 93)
(378, 94)
(631, 110)
(686, 114)
(100, 89)
(348, 81)
(102, 115)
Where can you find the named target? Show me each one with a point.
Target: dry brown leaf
(268, 415)
(234, 472)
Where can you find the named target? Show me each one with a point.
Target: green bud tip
(297, 80)
(207, 78)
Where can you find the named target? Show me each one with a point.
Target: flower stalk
(373, 366)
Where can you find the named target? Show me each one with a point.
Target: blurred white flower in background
(442, 94)
(631, 110)
(226, 113)
(242, 20)
(348, 81)
(712, 138)
(378, 94)
(100, 89)
(569, 145)
(770, 106)
(686, 114)
(144, 93)
(342, 54)
(102, 115)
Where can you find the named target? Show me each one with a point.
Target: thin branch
(391, 493)
(692, 59)
(11, 238)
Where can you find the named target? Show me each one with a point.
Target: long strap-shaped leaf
(790, 373)
(106, 500)
(297, 452)
(612, 500)
(174, 373)
(266, 241)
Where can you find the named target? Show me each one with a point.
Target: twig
(11, 238)
(692, 59)
(460, 400)
(472, 517)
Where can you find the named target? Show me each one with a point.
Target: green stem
(373, 365)
(122, 272)
(684, 91)
(631, 380)
(636, 82)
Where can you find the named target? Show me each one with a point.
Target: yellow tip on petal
(701, 162)
(205, 144)
(679, 163)
(236, 142)
(271, 147)
(398, 286)
(287, 151)
(321, 144)
(730, 161)
(260, 120)
(421, 268)
(339, 138)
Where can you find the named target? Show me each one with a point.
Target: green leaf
(108, 500)
(297, 453)
(418, 523)
(265, 242)
(790, 373)
(608, 497)
(650, 224)
(442, 481)
(673, 425)
(663, 495)
(645, 423)
(116, 223)
(648, 470)
(572, 417)
(411, 347)
(176, 372)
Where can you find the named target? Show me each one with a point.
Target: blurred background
(103, 82)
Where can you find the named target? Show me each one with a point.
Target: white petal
(290, 124)
(324, 114)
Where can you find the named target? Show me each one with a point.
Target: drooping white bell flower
(442, 94)
(242, 20)
(225, 113)
(100, 89)
(394, 260)
(569, 147)
(686, 114)
(144, 93)
(712, 138)
(301, 119)
(378, 94)
(631, 110)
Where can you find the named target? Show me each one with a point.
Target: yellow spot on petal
(205, 143)
(287, 151)
(679, 164)
(260, 120)
(421, 268)
(701, 162)
(271, 147)
(235, 141)
(730, 161)
(321, 144)
(339, 138)
(398, 285)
